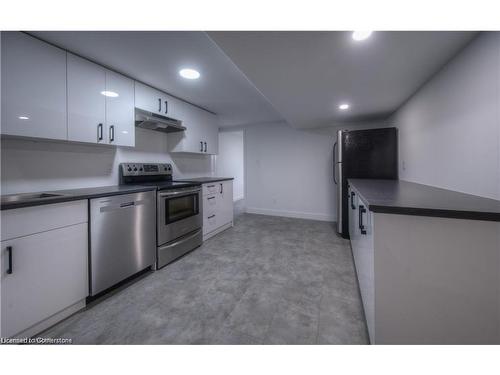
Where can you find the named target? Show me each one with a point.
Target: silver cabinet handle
(201, 146)
(205, 146)
(159, 104)
(166, 107)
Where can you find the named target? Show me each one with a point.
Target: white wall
(289, 172)
(29, 166)
(230, 160)
(450, 129)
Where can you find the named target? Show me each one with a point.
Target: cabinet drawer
(209, 204)
(211, 188)
(24, 221)
(209, 223)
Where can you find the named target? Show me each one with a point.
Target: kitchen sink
(11, 198)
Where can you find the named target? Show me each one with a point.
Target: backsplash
(29, 166)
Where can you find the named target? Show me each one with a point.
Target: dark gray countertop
(408, 198)
(77, 194)
(205, 180)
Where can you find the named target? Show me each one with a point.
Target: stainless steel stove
(179, 211)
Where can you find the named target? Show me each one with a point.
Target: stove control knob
(129, 169)
(135, 169)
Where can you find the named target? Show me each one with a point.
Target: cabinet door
(120, 110)
(33, 87)
(211, 133)
(150, 99)
(193, 135)
(49, 274)
(225, 202)
(190, 140)
(209, 204)
(210, 222)
(365, 265)
(201, 134)
(86, 101)
(352, 213)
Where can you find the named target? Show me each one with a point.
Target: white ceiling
(305, 75)
(256, 77)
(156, 57)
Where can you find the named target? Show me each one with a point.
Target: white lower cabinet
(361, 235)
(225, 202)
(217, 207)
(363, 253)
(424, 280)
(44, 276)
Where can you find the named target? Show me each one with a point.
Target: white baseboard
(217, 231)
(293, 214)
(52, 320)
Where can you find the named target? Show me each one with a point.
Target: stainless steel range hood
(153, 121)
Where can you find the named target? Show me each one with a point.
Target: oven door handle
(178, 193)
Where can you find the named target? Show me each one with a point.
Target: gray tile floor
(267, 280)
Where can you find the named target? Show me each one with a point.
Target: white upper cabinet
(120, 112)
(33, 87)
(201, 134)
(86, 102)
(100, 104)
(210, 129)
(151, 100)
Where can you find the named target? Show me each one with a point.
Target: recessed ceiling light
(189, 73)
(110, 94)
(23, 118)
(344, 106)
(361, 35)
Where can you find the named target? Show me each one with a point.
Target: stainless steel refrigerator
(369, 153)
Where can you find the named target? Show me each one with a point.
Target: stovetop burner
(151, 174)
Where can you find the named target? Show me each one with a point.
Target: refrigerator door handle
(334, 164)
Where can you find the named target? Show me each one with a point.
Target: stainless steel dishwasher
(122, 238)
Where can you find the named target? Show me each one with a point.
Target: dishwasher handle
(121, 206)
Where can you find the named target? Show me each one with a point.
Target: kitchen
(124, 199)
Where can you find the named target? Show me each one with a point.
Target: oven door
(179, 213)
